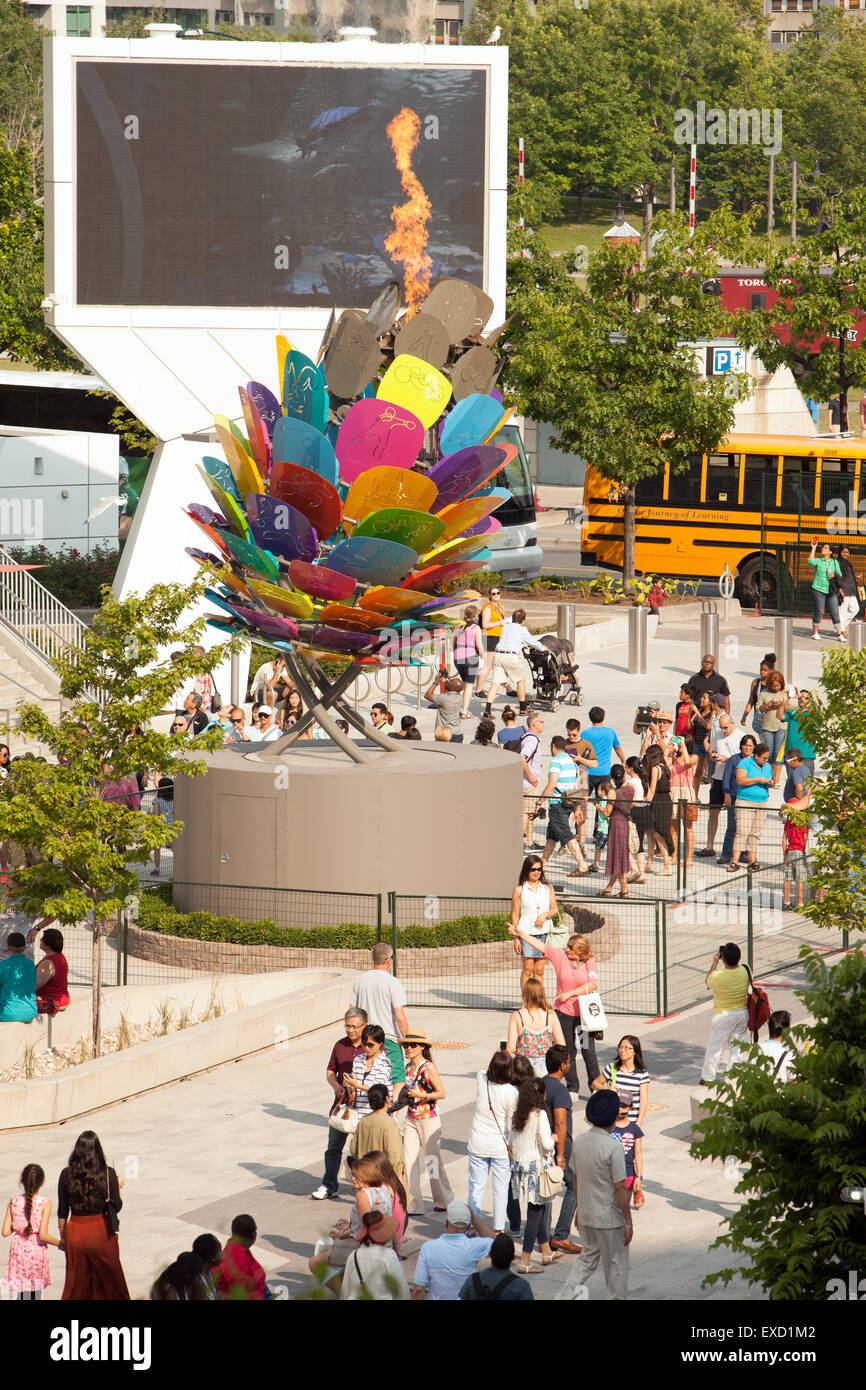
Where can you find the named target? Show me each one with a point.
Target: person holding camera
(423, 1129)
(729, 982)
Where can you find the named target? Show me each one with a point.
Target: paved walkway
(249, 1137)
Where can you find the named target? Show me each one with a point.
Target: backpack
(480, 1290)
(759, 1006)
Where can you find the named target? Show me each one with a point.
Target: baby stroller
(545, 678)
(562, 652)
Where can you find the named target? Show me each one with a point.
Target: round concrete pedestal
(427, 820)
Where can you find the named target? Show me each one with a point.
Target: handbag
(550, 1177)
(109, 1212)
(499, 1126)
(560, 932)
(345, 1118)
(592, 1014)
(691, 813)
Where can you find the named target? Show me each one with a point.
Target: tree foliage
(21, 84)
(82, 849)
(804, 1142)
(822, 288)
(609, 365)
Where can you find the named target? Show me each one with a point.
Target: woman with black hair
(485, 733)
(533, 907)
(88, 1200)
(629, 1074)
(618, 809)
(659, 795)
(408, 728)
(532, 1148)
(52, 973)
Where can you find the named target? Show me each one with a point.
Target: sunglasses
(237, 721)
(371, 1044)
(536, 868)
(177, 726)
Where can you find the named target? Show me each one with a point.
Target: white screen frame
(176, 367)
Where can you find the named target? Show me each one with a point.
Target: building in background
(786, 19)
(420, 21)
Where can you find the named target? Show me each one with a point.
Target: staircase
(35, 627)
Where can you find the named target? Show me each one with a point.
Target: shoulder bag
(109, 1211)
(344, 1117)
(550, 1176)
(499, 1126)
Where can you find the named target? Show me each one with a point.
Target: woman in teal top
(824, 589)
(17, 983)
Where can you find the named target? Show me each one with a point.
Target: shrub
(157, 914)
(73, 578)
(482, 580)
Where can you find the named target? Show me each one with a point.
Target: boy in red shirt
(794, 840)
(239, 1275)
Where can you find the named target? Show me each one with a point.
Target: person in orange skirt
(86, 1190)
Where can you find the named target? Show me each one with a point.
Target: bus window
(759, 484)
(837, 480)
(798, 483)
(723, 473)
(685, 488)
(650, 489)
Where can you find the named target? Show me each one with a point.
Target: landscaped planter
(225, 958)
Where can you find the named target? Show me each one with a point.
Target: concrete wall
(52, 1100)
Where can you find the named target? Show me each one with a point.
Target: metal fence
(689, 867)
(804, 510)
(626, 939)
(652, 954)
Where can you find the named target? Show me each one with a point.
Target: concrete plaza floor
(249, 1137)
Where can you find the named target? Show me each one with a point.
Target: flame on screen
(408, 242)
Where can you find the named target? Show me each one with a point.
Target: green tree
(805, 1141)
(81, 849)
(822, 78)
(22, 326)
(611, 368)
(822, 288)
(21, 84)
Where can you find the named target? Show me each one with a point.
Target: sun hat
(415, 1035)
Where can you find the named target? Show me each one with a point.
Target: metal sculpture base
(319, 695)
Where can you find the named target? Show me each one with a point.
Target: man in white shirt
(265, 731)
(445, 1264)
(510, 667)
(530, 757)
(774, 1048)
(724, 743)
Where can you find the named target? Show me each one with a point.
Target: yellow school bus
(754, 505)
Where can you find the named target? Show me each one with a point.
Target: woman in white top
(534, 1029)
(373, 1268)
(533, 907)
(488, 1138)
(532, 1146)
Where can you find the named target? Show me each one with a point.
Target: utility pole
(770, 216)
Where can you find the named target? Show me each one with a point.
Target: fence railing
(652, 955)
(40, 620)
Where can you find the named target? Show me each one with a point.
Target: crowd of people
(520, 1143)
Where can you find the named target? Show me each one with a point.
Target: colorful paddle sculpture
(332, 531)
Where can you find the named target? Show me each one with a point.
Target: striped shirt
(566, 776)
(630, 1081)
(378, 1075)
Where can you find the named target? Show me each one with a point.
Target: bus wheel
(757, 585)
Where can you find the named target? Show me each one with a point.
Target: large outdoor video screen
(241, 185)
